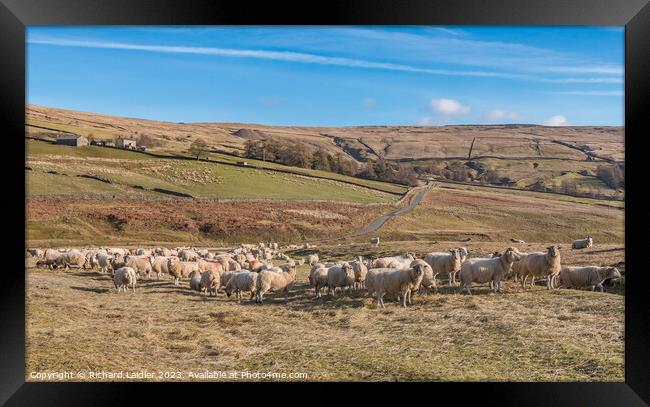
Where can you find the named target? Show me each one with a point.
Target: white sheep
(589, 276)
(340, 276)
(210, 282)
(188, 255)
(487, 270)
(318, 278)
(360, 272)
(582, 243)
(271, 281)
(180, 269)
(104, 262)
(225, 278)
(393, 262)
(49, 258)
(445, 263)
(242, 281)
(312, 259)
(398, 282)
(541, 264)
(141, 264)
(124, 277)
(195, 280)
(428, 276)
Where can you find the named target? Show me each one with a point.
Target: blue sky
(337, 76)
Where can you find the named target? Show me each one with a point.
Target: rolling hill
(519, 155)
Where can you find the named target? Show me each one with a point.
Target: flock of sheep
(250, 269)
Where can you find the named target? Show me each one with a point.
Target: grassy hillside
(451, 213)
(525, 154)
(126, 170)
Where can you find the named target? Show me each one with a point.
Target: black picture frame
(633, 14)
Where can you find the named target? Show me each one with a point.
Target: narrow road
(379, 222)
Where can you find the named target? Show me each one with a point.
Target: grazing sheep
(180, 269)
(399, 282)
(188, 255)
(484, 270)
(393, 262)
(234, 265)
(374, 241)
(371, 279)
(210, 282)
(35, 252)
(51, 258)
(104, 262)
(225, 277)
(162, 251)
(445, 263)
(124, 277)
(141, 265)
(312, 259)
(195, 280)
(116, 250)
(205, 265)
(590, 276)
(340, 276)
(360, 272)
(582, 243)
(517, 267)
(159, 265)
(540, 264)
(271, 281)
(318, 278)
(72, 258)
(241, 281)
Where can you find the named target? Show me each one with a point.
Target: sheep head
(553, 251)
(511, 255)
(417, 271)
(612, 272)
(456, 259)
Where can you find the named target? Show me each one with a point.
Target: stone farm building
(125, 143)
(71, 140)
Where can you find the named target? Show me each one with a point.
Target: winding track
(379, 222)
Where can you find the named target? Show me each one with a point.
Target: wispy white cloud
(287, 56)
(598, 69)
(558, 120)
(368, 102)
(448, 107)
(500, 115)
(310, 58)
(426, 121)
(586, 80)
(589, 93)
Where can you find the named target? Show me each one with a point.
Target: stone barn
(71, 140)
(125, 143)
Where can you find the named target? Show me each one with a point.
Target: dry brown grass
(496, 215)
(76, 322)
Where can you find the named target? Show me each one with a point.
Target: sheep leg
(286, 296)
